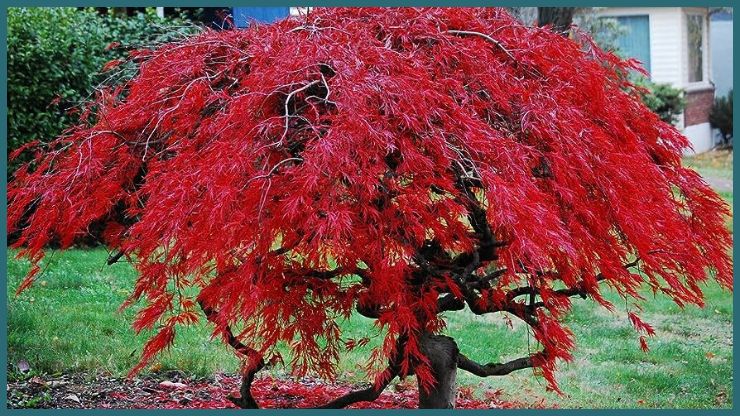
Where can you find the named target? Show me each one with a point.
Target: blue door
(244, 15)
(636, 42)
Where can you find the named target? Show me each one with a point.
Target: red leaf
(111, 64)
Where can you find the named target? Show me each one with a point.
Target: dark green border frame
(171, 3)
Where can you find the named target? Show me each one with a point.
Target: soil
(177, 391)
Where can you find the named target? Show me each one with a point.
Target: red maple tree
(398, 163)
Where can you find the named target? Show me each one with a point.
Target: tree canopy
(399, 162)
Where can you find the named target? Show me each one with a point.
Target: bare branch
(287, 111)
(493, 369)
(114, 257)
(485, 281)
(368, 311)
(246, 401)
(373, 392)
(450, 302)
(365, 395)
(484, 36)
(573, 291)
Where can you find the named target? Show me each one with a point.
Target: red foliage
(289, 172)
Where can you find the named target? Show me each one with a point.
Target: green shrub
(52, 52)
(54, 58)
(720, 117)
(666, 101)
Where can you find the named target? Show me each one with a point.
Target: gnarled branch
(484, 36)
(114, 257)
(450, 302)
(246, 401)
(493, 369)
(573, 291)
(365, 395)
(373, 392)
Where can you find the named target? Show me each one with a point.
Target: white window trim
(705, 83)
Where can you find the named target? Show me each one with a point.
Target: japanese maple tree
(397, 163)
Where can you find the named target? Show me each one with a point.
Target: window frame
(704, 82)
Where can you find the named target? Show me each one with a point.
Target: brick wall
(698, 105)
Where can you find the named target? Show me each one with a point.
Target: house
(674, 46)
(720, 43)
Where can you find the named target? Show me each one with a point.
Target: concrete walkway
(719, 184)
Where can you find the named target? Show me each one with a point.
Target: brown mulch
(174, 390)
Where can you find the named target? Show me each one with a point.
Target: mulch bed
(176, 391)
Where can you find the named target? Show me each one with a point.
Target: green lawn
(68, 322)
(716, 163)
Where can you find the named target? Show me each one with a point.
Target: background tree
(55, 55)
(605, 31)
(559, 17)
(398, 163)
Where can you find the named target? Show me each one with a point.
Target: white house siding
(720, 41)
(666, 55)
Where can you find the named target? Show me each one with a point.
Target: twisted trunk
(442, 353)
(559, 17)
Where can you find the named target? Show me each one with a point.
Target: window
(695, 47)
(244, 15)
(635, 41)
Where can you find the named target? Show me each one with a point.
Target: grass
(727, 196)
(717, 164)
(67, 322)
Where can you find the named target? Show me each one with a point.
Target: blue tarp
(243, 15)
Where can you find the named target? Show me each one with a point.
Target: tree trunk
(559, 17)
(442, 353)
(119, 11)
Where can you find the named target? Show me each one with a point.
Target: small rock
(170, 385)
(72, 397)
(37, 380)
(23, 366)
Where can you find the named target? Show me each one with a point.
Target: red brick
(698, 105)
